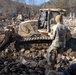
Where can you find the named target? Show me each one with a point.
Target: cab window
(42, 18)
(53, 14)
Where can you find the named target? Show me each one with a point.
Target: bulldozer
(33, 30)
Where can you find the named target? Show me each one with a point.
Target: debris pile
(33, 62)
(71, 24)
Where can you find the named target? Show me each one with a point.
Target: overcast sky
(36, 2)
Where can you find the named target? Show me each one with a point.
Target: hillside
(9, 7)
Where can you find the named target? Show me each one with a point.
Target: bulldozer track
(33, 43)
(35, 38)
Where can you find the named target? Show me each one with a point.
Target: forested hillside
(10, 7)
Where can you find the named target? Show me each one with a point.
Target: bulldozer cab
(47, 19)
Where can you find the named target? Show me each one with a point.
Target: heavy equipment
(33, 30)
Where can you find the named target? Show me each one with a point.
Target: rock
(22, 61)
(67, 58)
(73, 54)
(14, 54)
(74, 60)
(27, 52)
(2, 54)
(69, 51)
(63, 57)
(6, 50)
(45, 55)
(33, 50)
(7, 69)
(22, 50)
(6, 62)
